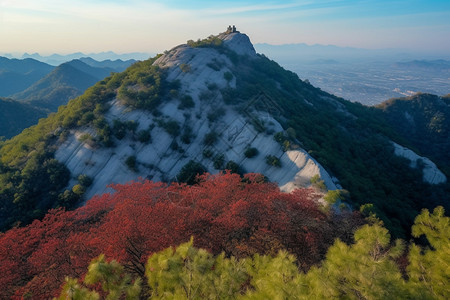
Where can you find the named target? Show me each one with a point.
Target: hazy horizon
(125, 26)
(17, 54)
(111, 54)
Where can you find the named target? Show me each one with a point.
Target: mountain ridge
(41, 88)
(67, 81)
(193, 84)
(57, 59)
(63, 83)
(16, 75)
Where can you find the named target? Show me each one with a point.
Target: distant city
(366, 76)
(374, 82)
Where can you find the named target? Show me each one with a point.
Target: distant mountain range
(434, 65)
(57, 59)
(304, 52)
(39, 88)
(117, 65)
(68, 81)
(65, 82)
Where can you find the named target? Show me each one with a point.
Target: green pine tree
(429, 268)
(190, 273)
(364, 270)
(110, 275)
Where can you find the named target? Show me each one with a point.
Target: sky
(124, 26)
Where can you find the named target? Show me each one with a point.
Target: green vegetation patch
(144, 136)
(189, 172)
(186, 102)
(318, 183)
(228, 76)
(210, 42)
(274, 161)
(251, 152)
(131, 163)
(143, 85)
(210, 138)
(172, 127)
(218, 161)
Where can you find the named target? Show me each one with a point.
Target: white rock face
(239, 42)
(159, 160)
(431, 173)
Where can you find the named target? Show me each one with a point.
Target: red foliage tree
(240, 216)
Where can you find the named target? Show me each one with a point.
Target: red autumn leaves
(224, 213)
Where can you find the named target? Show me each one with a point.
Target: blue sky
(61, 26)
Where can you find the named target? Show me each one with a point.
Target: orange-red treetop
(224, 213)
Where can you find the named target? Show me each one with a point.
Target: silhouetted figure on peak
(231, 29)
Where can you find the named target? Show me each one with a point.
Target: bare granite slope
(160, 160)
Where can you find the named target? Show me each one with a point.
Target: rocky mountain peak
(202, 122)
(235, 41)
(238, 42)
(193, 124)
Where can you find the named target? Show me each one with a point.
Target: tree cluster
(366, 269)
(224, 213)
(210, 42)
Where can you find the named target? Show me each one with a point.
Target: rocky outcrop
(240, 43)
(431, 173)
(201, 73)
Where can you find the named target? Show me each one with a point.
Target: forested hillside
(423, 120)
(18, 74)
(65, 82)
(16, 116)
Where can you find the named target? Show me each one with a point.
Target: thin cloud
(250, 9)
(161, 24)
